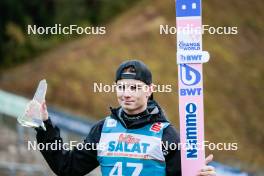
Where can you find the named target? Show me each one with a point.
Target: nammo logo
(188, 75)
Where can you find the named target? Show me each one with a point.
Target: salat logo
(128, 143)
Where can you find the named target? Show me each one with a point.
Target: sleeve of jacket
(172, 155)
(73, 162)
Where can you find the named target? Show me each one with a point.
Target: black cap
(141, 73)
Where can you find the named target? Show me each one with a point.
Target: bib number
(118, 169)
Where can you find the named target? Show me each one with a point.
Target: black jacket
(80, 162)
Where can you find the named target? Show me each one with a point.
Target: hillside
(233, 79)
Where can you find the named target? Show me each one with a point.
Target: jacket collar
(154, 114)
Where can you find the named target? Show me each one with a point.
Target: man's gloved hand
(207, 170)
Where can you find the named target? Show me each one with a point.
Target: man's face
(133, 95)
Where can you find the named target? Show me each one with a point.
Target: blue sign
(186, 8)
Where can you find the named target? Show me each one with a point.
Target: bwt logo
(189, 76)
(196, 57)
(191, 91)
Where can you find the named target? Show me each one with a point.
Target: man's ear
(151, 89)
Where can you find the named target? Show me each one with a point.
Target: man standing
(131, 136)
